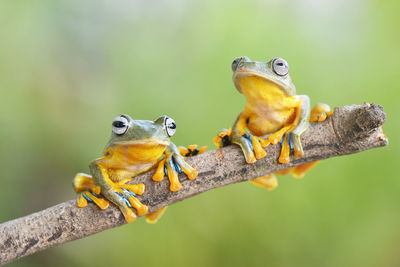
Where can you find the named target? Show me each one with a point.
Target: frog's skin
(136, 146)
(273, 108)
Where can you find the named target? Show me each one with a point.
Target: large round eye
(236, 62)
(170, 126)
(120, 125)
(280, 66)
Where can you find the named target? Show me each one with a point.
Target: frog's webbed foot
(171, 166)
(223, 138)
(154, 216)
(88, 192)
(268, 181)
(251, 145)
(192, 150)
(253, 149)
(289, 141)
(125, 197)
(300, 171)
(120, 193)
(320, 112)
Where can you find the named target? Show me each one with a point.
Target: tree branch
(349, 130)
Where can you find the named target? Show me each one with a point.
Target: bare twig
(351, 129)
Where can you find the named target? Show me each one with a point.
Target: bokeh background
(67, 68)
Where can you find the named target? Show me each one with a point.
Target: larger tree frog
(135, 146)
(274, 108)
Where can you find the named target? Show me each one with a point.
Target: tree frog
(135, 146)
(273, 108)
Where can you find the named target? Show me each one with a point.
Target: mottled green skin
(141, 130)
(264, 69)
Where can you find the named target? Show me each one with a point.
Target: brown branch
(351, 129)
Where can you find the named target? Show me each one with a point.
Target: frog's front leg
(121, 194)
(88, 191)
(178, 165)
(252, 146)
(319, 113)
(289, 135)
(172, 165)
(302, 125)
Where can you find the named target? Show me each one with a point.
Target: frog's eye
(170, 126)
(236, 62)
(280, 66)
(120, 125)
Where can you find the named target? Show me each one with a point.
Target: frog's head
(129, 132)
(273, 72)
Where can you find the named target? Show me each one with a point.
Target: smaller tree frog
(135, 146)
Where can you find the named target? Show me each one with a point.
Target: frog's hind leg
(191, 150)
(300, 171)
(88, 192)
(268, 181)
(320, 112)
(223, 138)
(154, 216)
(82, 182)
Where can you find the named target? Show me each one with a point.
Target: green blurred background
(67, 68)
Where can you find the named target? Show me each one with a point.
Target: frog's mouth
(245, 73)
(147, 142)
(270, 80)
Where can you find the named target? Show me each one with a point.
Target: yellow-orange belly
(127, 161)
(271, 122)
(268, 107)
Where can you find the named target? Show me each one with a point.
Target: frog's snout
(237, 62)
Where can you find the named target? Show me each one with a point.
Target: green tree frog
(273, 108)
(135, 146)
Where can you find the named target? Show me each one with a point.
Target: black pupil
(236, 61)
(172, 126)
(280, 64)
(118, 124)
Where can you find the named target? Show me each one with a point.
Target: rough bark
(349, 130)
